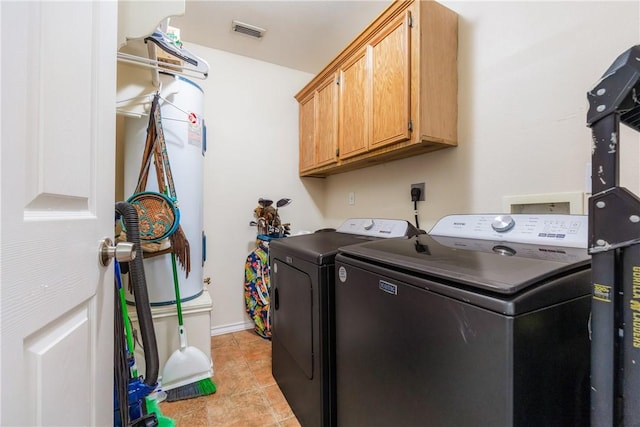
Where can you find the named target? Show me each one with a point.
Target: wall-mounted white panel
(545, 203)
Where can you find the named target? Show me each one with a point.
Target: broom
(188, 371)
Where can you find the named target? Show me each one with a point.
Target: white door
(57, 203)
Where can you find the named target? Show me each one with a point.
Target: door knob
(122, 252)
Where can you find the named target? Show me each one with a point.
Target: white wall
(252, 151)
(524, 70)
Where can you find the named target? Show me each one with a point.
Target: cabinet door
(390, 83)
(353, 132)
(326, 122)
(307, 133)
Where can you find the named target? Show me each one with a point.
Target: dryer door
(292, 318)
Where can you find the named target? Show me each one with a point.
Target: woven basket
(158, 217)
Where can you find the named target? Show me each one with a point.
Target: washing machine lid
(495, 266)
(319, 248)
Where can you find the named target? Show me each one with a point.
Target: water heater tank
(181, 107)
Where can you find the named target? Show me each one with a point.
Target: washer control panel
(542, 229)
(375, 227)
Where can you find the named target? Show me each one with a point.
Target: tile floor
(246, 396)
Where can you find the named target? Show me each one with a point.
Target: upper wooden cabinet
(354, 133)
(391, 93)
(307, 133)
(319, 126)
(390, 82)
(326, 138)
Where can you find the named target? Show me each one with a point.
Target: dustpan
(188, 370)
(186, 365)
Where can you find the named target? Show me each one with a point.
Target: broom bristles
(203, 387)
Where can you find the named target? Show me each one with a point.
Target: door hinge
(410, 126)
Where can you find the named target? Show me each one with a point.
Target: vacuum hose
(139, 286)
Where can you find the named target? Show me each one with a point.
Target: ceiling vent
(249, 30)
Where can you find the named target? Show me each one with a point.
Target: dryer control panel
(542, 229)
(377, 227)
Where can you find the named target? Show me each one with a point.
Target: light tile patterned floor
(246, 396)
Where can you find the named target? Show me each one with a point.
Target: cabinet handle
(337, 152)
(276, 299)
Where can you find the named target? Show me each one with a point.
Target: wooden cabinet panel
(307, 133)
(390, 83)
(326, 122)
(353, 132)
(397, 95)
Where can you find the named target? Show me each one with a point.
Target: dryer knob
(502, 223)
(368, 224)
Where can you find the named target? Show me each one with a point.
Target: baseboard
(231, 327)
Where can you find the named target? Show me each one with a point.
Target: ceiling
(301, 34)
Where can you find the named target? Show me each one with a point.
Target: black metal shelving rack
(614, 243)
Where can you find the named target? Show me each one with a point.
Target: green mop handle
(182, 334)
(176, 287)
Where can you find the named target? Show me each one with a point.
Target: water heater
(181, 106)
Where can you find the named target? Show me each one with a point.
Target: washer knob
(368, 224)
(504, 250)
(502, 223)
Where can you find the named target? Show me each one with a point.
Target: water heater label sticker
(389, 288)
(194, 134)
(601, 292)
(342, 274)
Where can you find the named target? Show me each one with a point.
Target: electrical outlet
(352, 198)
(420, 186)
